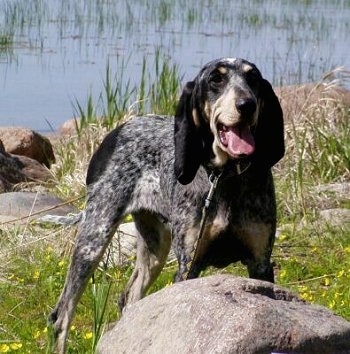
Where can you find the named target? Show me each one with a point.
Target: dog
(228, 122)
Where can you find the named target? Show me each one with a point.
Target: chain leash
(213, 180)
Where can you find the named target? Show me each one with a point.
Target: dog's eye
(216, 79)
(253, 77)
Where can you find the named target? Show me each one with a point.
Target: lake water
(59, 49)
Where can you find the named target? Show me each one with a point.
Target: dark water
(60, 49)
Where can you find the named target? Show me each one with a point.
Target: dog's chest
(217, 223)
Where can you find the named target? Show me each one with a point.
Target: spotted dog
(228, 121)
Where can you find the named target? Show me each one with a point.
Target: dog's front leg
(184, 244)
(259, 239)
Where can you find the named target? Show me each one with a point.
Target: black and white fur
(156, 168)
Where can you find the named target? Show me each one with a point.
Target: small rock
(16, 169)
(339, 190)
(336, 217)
(33, 170)
(69, 127)
(15, 205)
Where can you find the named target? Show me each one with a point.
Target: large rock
(225, 314)
(26, 142)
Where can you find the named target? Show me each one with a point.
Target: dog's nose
(246, 106)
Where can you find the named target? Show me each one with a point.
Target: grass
(6, 40)
(312, 258)
(315, 262)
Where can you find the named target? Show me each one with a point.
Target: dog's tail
(70, 219)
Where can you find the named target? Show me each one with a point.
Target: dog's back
(127, 147)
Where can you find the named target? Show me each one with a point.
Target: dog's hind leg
(95, 233)
(153, 245)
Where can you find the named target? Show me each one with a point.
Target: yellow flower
(336, 295)
(16, 346)
(303, 295)
(283, 273)
(340, 273)
(306, 294)
(36, 335)
(331, 304)
(282, 237)
(61, 263)
(327, 282)
(88, 335)
(36, 274)
(128, 218)
(4, 348)
(303, 288)
(347, 249)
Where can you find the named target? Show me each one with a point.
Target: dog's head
(228, 112)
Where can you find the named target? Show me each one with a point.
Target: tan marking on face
(256, 237)
(220, 156)
(223, 70)
(246, 68)
(223, 111)
(195, 116)
(207, 111)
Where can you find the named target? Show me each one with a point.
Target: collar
(231, 169)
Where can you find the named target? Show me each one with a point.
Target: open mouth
(237, 140)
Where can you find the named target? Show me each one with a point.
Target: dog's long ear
(269, 133)
(188, 143)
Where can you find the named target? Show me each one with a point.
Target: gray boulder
(225, 314)
(17, 205)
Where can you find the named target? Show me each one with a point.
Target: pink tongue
(238, 140)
